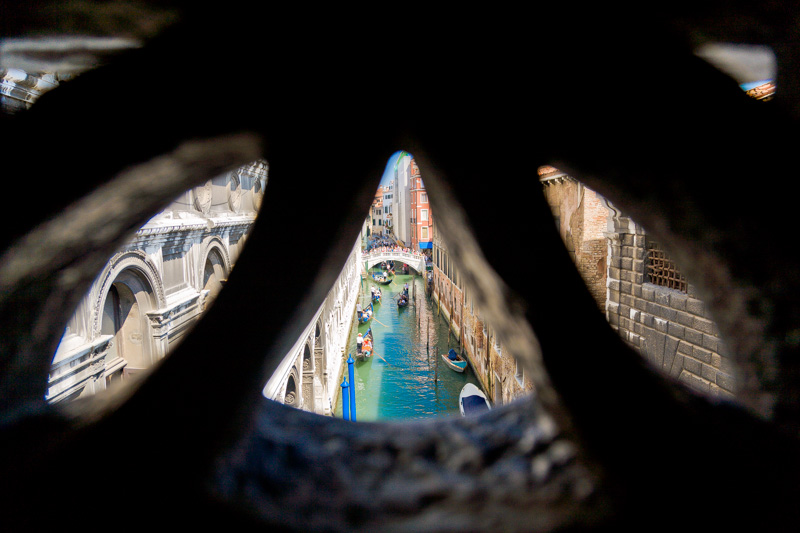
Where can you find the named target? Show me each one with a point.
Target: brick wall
(672, 329)
(496, 370)
(581, 219)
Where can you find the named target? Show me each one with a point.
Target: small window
(661, 270)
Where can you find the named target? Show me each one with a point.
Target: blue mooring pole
(345, 400)
(352, 387)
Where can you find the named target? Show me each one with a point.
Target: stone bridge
(413, 260)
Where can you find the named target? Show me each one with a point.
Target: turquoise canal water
(406, 377)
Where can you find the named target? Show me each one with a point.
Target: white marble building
(153, 289)
(309, 376)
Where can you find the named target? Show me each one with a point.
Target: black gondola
(365, 349)
(402, 301)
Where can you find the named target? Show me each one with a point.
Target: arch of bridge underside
(579, 455)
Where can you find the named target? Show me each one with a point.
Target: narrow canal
(406, 377)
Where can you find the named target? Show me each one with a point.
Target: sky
(388, 173)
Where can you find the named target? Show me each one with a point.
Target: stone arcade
(153, 290)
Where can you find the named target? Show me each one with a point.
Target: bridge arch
(413, 260)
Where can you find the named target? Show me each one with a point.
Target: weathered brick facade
(502, 379)
(582, 221)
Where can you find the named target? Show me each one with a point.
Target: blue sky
(750, 85)
(388, 172)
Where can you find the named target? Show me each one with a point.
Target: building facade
(308, 377)
(641, 291)
(401, 199)
(421, 218)
(657, 311)
(581, 216)
(377, 223)
(501, 376)
(154, 289)
(388, 199)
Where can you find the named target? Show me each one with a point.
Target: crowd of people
(393, 248)
(382, 244)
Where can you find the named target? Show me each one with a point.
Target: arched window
(124, 317)
(214, 274)
(290, 397)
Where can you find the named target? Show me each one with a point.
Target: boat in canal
(472, 401)
(404, 378)
(382, 279)
(365, 350)
(366, 314)
(376, 296)
(454, 361)
(402, 301)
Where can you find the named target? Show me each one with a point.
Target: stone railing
(413, 260)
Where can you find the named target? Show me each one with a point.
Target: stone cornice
(196, 225)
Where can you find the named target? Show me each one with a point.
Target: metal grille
(661, 270)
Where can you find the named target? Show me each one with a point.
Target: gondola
(402, 301)
(364, 316)
(380, 278)
(472, 401)
(365, 350)
(454, 361)
(376, 297)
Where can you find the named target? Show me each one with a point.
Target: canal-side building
(154, 289)
(388, 198)
(308, 377)
(645, 297)
(501, 377)
(401, 199)
(581, 216)
(376, 213)
(421, 218)
(657, 311)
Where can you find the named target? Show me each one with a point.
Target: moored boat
(472, 401)
(454, 361)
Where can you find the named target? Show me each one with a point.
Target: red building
(421, 221)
